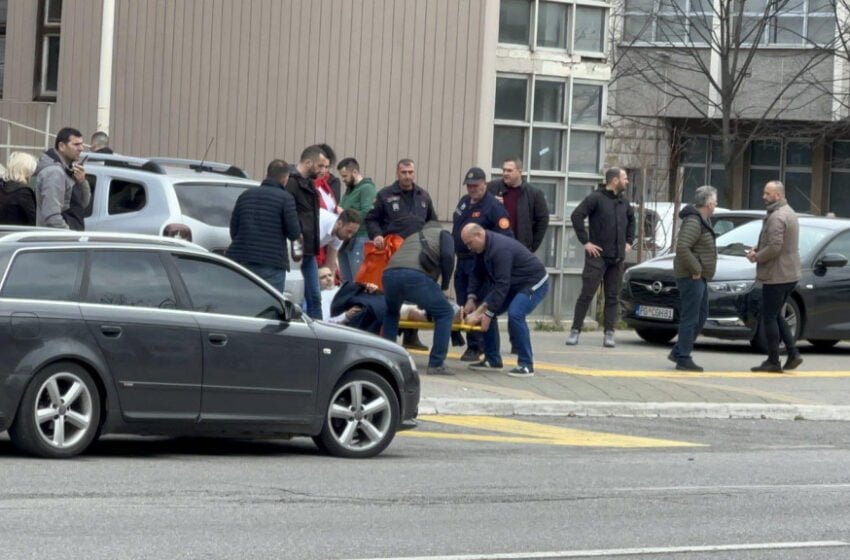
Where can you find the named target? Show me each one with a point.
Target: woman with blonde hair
(17, 199)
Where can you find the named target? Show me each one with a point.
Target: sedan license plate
(652, 312)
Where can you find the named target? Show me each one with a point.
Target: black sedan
(818, 310)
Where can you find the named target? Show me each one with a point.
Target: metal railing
(8, 146)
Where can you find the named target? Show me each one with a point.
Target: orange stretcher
(429, 326)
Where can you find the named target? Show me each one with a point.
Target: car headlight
(412, 363)
(732, 287)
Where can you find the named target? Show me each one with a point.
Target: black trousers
(596, 270)
(773, 298)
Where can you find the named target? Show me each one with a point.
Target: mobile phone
(82, 161)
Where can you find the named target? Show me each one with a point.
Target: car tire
(361, 417)
(655, 336)
(794, 318)
(59, 414)
(821, 344)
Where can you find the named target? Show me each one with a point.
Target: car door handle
(111, 331)
(218, 339)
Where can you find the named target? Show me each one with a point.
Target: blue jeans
(521, 304)
(312, 288)
(271, 274)
(351, 259)
(405, 284)
(693, 311)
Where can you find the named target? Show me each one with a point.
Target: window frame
(46, 30)
(783, 167)
(833, 170)
(572, 6)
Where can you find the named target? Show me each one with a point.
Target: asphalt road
(495, 489)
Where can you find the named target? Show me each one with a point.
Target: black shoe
(768, 367)
(484, 365)
(672, 358)
(687, 365)
(793, 362)
(470, 355)
(410, 340)
(521, 371)
(439, 370)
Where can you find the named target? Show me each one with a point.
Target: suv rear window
(47, 275)
(211, 204)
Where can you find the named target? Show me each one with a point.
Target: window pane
(514, 21)
(758, 177)
(576, 192)
(125, 197)
(511, 98)
(546, 149)
(49, 275)
(700, 31)
(694, 178)
(590, 26)
(694, 149)
(548, 249)
(717, 151)
(798, 154)
(211, 204)
(584, 152)
(798, 190)
(587, 104)
(550, 193)
(569, 294)
(216, 288)
(4, 8)
(54, 11)
(765, 152)
(573, 251)
(87, 211)
(670, 29)
(821, 7)
(719, 182)
(754, 6)
(548, 101)
(552, 25)
(642, 6)
(508, 142)
(51, 82)
(839, 195)
(637, 28)
(133, 278)
(789, 30)
(821, 30)
(841, 155)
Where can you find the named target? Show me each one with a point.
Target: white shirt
(327, 220)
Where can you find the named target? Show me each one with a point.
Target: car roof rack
(95, 237)
(129, 162)
(200, 165)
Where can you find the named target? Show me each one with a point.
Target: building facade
(448, 83)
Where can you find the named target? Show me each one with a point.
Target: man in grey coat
(61, 190)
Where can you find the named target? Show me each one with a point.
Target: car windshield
(210, 203)
(739, 240)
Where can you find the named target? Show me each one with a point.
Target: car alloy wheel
(59, 414)
(362, 416)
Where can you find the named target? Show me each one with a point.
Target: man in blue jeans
(411, 276)
(519, 283)
(694, 265)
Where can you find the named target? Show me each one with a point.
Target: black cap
(474, 175)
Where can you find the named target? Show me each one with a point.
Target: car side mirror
(291, 311)
(831, 260)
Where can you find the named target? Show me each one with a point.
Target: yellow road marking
(529, 432)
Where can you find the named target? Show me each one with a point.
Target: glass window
(47, 275)
(546, 149)
(637, 27)
(758, 178)
(584, 152)
(573, 251)
(840, 245)
(548, 101)
(798, 190)
(550, 193)
(576, 192)
(511, 94)
(508, 142)
(587, 104)
(590, 29)
(134, 278)
(789, 30)
(552, 25)
(821, 30)
(216, 288)
(53, 13)
(547, 252)
(766, 152)
(570, 290)
(211, 204)
(695, 150)
(514, 21)
(798, 154)
(51, 64)
(92, 179)
(125, 197)
(670, 29)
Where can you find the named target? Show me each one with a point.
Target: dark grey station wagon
(116, 333)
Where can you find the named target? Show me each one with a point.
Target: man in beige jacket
(777, 258)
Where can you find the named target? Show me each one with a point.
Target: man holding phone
(61, 189)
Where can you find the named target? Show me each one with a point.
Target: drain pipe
(104, 87)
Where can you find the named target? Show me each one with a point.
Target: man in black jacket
(263, 219)
(302, 188)
(525, 204)
(612, 232)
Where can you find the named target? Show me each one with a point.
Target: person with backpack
(411, 276)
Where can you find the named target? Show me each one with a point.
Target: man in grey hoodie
(62, 192)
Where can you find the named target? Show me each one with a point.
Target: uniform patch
(476, 214)
(504, 223)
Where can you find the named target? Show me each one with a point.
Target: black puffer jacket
(612, 222)
(17, 204)
(263, 219)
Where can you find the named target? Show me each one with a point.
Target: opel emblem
(656, 287)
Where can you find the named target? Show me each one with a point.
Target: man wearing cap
(476, 207)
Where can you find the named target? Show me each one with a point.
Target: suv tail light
(180, 231)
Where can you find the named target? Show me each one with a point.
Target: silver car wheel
(359, 415)
(63, 410)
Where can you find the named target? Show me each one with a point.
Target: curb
(504, 407)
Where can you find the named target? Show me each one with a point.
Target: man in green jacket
(360, 195)
(694, 265)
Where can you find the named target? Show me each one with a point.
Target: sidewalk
(636, 380)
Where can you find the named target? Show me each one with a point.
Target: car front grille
(654, 292)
